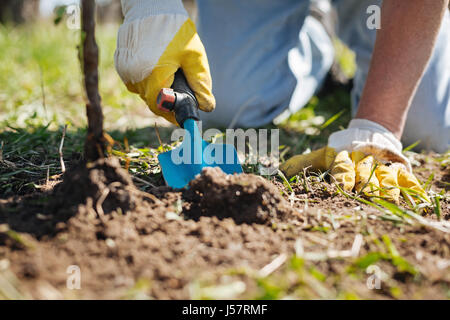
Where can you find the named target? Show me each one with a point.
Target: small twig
(98, 206)
(317, 239)
(157, 134)
(143, 181)
(105, 193)
(127, 150)
(61, 159)
(43, 91)
(331, 253)
(126, 144)
(8, 289)
(299, 248)
(356, 247)
(151, 196)
(3, 161)
(305, 179)
(47, 180)
(273, 266)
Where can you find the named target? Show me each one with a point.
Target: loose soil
(169, 244)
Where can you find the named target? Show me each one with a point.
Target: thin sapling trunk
(95, 141)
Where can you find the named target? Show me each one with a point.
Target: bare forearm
(403, 48)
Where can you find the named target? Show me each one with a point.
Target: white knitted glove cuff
(139, 9)
(371, 138)
(149, 27)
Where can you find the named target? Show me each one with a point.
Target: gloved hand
(156, 39)
(351, 157)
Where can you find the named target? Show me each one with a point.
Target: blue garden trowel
(181, 165)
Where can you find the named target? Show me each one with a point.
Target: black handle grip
(180, 85)
(181, 100)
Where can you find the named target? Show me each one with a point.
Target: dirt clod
(103, 183)
(245, 198)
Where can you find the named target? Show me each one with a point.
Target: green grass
(30, 155)
(41, 82)
(310, 127)
(41, 90)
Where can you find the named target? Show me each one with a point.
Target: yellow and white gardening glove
(366, 158)
(156, 39)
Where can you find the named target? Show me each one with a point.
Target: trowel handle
(179, 99)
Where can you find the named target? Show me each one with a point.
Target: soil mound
(93, 193)
(178, 244)
(103, 184)
(245, 198)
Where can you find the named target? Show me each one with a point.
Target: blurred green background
(41, 90)
(40, 75)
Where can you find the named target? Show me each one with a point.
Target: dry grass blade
(273, 266)
(285, 180)
(158, 135)
(61, 145)
(8, 290)
(143, 181)
(368, 180)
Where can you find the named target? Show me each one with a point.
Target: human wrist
(377, 128)
(391, 123)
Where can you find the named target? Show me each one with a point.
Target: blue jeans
(269, 57)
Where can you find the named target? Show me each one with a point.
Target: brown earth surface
(225, 237)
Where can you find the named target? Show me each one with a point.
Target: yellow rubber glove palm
(370, 168)
(152, 46)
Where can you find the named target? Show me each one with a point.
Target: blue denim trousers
(269, 57)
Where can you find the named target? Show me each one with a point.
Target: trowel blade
(178, 174)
